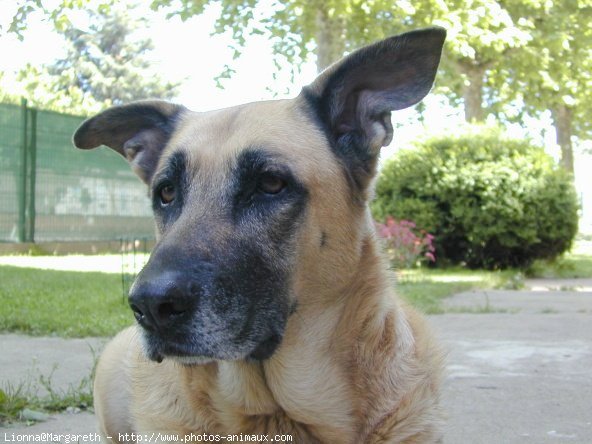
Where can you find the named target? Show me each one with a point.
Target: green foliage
(481, 34)
(555, 68)
(105, 64)
(12, 401)
(489, 200)
(7, 96)
(57, 13)
(508, 58)
(294, 26)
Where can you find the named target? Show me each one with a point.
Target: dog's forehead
(282, 128)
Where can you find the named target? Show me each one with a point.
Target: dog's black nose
(160, 302)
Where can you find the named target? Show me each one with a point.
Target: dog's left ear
(355, 96)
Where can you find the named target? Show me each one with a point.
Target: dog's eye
(167, 194)
(271, 184)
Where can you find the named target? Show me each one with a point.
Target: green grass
(79, 304)
(61, 303)
(14, 399)
(567, 267)
(575, 264)
(426, 288)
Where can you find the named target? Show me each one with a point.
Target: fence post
(22, 191)
(32, 157)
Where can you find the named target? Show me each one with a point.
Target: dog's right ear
(138, 131)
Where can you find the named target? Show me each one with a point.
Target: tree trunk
(329, 38)
(472, 91)
(562, 119)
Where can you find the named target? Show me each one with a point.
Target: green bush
(490, 201)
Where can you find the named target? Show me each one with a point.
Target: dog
(266, 308)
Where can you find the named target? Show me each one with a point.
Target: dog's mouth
(157, 350)
(266, 348)
(194, 353)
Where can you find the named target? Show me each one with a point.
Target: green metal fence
(51, 191)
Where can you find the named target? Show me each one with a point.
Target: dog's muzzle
(195, 311)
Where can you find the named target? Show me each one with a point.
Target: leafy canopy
(105, 64)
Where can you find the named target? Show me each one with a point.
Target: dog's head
(260, 207)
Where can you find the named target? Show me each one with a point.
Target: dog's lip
(185, 352)
(191, 360)
(181, 356)
(171, 349)
(266, 348)
(157, 347)
(183, 359)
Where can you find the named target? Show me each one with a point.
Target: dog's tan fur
(355, 365)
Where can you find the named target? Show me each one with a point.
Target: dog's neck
(329, 357)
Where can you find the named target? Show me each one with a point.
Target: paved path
(518, 378)
(520, 364)
(520, 371)
(67, 362)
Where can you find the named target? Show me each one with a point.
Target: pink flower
(403, 246)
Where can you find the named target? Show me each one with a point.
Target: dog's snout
(158, 303)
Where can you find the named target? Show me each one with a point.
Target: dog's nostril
(169, 310)
(137, 312)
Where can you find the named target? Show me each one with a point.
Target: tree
(514, 58)
(506, 58)
(104, 65)
(533, 55)
(296, 28)
(554, 72)
(481, 35)
(56, 14)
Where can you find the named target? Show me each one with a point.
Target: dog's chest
(306, 380)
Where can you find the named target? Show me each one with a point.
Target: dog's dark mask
(219, 284)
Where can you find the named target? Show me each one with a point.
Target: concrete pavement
(519, 368)
(518, 378)
(67, 362)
